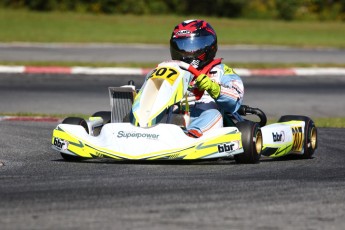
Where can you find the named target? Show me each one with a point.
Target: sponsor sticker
(228, 147)
(123, 134)
(61, 144)
(183, 32)
(278, 137)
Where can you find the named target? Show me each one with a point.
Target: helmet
(194, 42)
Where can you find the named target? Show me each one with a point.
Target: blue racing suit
(206, 113)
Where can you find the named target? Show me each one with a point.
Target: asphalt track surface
(39, 190)
(314, 96)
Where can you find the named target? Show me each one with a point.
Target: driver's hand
(203, 82)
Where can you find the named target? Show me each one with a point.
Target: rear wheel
(251, 142)
(310, 133)
(74, 121)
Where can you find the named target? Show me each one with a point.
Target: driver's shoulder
(222, 69)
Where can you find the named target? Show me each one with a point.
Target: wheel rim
(258, 142)
(313, 138)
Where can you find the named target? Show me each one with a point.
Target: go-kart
(150, 123)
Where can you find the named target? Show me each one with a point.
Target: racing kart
(149, 124)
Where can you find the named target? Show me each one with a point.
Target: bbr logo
(61, 144)
(277, 137)
(228, 147)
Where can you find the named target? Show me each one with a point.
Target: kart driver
(219, 88)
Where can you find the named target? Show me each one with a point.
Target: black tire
(105, 115)
(74, 121)
(251, 142)
(310, 133)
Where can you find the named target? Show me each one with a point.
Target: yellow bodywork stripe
(74, 145)
(209, 147)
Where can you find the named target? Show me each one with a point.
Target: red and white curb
(143, 71)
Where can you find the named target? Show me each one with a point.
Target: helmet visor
(192, 44)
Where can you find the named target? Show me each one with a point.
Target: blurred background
(308, 24)
(254, 9)
(256, 34)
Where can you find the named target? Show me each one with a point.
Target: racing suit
(206, 113)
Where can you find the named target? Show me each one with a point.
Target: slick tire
(74, 121)
(310, 134)
(105, 115)
(251, 142)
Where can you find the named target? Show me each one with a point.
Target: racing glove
(203, 82)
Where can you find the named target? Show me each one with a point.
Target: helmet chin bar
(195, 63)
(192, 61)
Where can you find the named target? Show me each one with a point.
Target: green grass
(66, 27)
(25, 26)
(338, 122)
(324, 122)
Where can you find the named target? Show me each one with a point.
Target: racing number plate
(167, 73)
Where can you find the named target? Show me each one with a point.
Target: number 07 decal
(167, 73)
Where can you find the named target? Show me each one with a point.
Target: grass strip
(29, 26)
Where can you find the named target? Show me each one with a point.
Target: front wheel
(251, 142)
(105, 115)
(74, 121)
(310, 133)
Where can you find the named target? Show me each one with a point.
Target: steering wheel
(189, 68)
